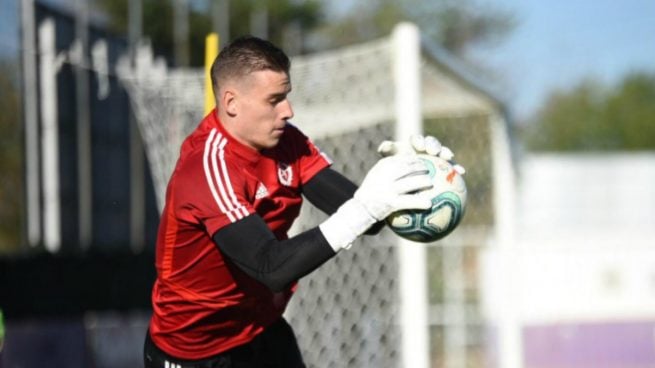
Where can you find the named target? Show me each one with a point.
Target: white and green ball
(448, 205)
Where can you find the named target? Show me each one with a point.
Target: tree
(592, 116)
(456, 25)
(158, 21)
(631, 109)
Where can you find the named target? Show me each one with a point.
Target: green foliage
(454, 24)
(632, 110)
(307, 14)
(2, 330)
(459, 24)
(11, 164)
(158, 21)
(594, 117)
(157, 25)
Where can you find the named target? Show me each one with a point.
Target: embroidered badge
(284, 173)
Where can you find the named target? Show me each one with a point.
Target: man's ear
(229, 101)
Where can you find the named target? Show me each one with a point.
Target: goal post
(412, 257)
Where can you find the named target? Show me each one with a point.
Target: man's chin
(275, 139)
(272, 143)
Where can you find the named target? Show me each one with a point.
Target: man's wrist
(349, 222)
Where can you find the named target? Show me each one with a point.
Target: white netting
(346, 312)
(167, 104)
(341, 91)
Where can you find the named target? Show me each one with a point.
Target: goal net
(347, 313)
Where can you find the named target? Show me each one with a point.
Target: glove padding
(391, 185)
(419, 144)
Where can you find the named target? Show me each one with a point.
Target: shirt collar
(248, 153)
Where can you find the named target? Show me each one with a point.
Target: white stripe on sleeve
(219, 176)
(239, 208)
(208, 174)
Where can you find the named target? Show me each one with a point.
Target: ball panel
(403, 220)
(448, 204)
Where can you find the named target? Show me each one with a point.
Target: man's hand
(419, 144)
(391, 185)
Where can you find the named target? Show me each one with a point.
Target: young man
(225, 266)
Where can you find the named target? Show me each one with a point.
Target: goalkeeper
(225, 265)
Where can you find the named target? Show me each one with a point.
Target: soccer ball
(448, 204)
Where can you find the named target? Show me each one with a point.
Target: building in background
(577, 288)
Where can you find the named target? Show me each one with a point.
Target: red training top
(203, 305)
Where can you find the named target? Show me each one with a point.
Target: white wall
(584, 249)
(588, 200)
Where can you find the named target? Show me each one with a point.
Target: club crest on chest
(284, 173)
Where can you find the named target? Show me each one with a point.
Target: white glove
(392, 184)
(387, 186)
(419, 144)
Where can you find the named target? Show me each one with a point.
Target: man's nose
(287, 110)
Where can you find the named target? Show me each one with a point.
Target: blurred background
(554, 266)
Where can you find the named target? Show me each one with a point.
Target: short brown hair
(245, 55)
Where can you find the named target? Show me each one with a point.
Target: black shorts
(276, 347)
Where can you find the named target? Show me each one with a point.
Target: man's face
(262, 108)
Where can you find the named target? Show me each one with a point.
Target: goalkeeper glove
(419, 144)
(392, 184)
